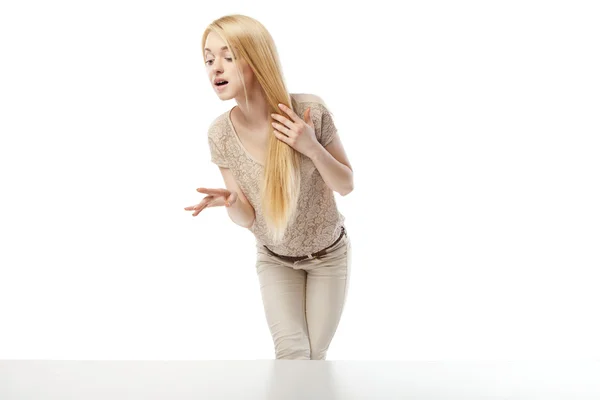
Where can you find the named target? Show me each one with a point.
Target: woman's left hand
(297, 133)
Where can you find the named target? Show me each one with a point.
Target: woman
(281, 159)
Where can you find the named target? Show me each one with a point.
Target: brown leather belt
(317, 255)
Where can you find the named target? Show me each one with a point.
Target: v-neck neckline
(238, 139)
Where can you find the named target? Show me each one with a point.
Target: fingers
(221, 192)
(231, 199)
(212, 201)
(284, 130)
(200, 207)
(289, 112)
(205, 202)
(197, 208)
(190, 208)
(215, 197)
(285, 123)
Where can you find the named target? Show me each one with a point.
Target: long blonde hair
(249, 39)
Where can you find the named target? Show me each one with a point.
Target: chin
(223, 95)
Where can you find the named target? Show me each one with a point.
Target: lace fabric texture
(318, 222)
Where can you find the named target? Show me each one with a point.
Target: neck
(255, 113)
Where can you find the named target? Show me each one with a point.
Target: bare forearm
(336, 175)
(241, 213)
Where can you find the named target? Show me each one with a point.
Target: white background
(472, 129)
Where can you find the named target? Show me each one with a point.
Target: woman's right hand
(214, 198)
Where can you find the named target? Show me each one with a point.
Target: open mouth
(221, 83)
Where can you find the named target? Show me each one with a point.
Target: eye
(228, 59)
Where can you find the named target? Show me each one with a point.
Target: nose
(217, 66)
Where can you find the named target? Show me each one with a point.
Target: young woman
(281, 160)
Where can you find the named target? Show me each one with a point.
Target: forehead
(214, 44)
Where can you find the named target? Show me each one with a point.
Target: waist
(318, 254)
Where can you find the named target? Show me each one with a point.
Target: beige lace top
(318, 222)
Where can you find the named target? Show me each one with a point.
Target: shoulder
(318, 108)
(218, 126)
(309, 99)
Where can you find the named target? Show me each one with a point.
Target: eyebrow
(222, 48)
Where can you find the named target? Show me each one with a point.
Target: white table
(287, 379)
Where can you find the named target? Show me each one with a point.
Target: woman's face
(220, 66)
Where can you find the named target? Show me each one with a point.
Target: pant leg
(283, 291)
(326, 292)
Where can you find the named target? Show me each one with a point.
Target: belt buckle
(315, 256)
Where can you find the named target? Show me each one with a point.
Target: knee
(319, 348)
(292, 353)
(288, 349)
(318, 355)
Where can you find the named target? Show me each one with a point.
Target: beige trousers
(304, 300)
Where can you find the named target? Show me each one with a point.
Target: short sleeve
(216, 154)
(328, 128)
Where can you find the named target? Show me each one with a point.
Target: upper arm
(232, 185)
